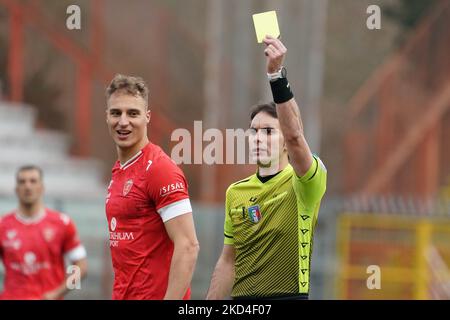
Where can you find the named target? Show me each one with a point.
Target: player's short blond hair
(134, 86)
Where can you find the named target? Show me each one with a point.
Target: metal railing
(406, 248)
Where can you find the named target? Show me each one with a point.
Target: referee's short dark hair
(269, 108)
(29, 168)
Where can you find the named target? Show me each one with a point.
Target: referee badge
(254, 213)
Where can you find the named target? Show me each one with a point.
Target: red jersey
(146, 191)
(33, 252)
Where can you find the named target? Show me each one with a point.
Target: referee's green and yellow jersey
(271, 226)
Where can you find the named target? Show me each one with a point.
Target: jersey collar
(130, 161)
(134, 158)
(274, 177)
(30, 220)
(267, 178)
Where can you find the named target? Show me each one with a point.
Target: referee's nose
(261, 138)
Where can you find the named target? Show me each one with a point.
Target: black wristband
(281, 90)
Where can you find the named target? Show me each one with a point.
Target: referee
(270, 216)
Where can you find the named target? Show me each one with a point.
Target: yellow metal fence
(412, 253)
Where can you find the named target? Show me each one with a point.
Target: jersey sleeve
(72, 247)
(228, 225)
(311, 187)
(168, 189)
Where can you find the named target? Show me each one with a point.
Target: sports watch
(282, 73)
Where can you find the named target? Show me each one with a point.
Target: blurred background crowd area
(375, 106)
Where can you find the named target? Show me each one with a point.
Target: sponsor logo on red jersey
(12, 241)
(11, 234)
(113, 224)
(171, 188)
(116, 237)
(30, 264)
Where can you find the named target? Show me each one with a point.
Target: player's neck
(126, 154)
(31, 210)
(273, 168)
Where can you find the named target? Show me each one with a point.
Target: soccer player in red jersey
(34, 241)
(153, 242)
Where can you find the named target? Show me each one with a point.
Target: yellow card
(266, 23)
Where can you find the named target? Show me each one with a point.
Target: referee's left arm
(291, 126)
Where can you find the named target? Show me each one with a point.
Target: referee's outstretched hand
(275, 52)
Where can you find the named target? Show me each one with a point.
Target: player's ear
(148, 115)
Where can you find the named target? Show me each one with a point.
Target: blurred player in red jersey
(153, 242)
(34, 241)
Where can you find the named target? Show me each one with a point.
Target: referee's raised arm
(288, 112)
